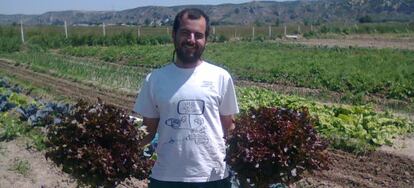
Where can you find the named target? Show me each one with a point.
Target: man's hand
(227, 122)
(152, 126)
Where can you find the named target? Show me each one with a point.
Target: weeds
(11, 127)
(20, 166)
(2, 150)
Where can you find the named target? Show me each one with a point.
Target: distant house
(292, 37)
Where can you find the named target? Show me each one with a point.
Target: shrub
(275, 145)
(100, 143)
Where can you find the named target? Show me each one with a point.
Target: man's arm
(152, 126)
(227, 122)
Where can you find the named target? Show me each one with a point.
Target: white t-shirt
(189, 102)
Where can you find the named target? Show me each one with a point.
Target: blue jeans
(224, 183)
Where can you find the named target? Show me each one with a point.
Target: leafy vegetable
(272, 145)
(100, 142)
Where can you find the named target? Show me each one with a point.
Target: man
(190, 103)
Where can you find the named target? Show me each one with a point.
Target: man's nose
(191, 37)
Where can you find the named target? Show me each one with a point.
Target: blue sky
(42, 6)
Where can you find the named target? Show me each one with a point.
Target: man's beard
(188, 58)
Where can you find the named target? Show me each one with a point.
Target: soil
(42, 173)
(363, 41)
(387, 167)
(377, 169)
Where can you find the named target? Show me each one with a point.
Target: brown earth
(377, 169)
(384, 168)
(41, 173)
(363, 41)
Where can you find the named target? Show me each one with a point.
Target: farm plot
(352, 128)
(360, 41)
(356, 71)
(393, 171)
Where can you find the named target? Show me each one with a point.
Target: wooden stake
(103, 29)
(66, 30)
(21, 30)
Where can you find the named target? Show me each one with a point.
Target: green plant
(19, 99)
(20, 166)
(38, 139)
(2, 149)
(353, 128)
(11, 127)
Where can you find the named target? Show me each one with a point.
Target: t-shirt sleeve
(228, 104)
(144, 104)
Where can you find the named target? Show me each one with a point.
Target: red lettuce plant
(98, 143)
(275, 145)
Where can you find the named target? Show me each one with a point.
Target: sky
(42, 6)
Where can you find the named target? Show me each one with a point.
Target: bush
(100, 143)
(275, 145)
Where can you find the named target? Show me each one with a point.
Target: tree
(365, 19)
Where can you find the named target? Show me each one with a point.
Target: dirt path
(390, 169)
(40, 172)
(359, 41)
(403, 146)
(378, 169)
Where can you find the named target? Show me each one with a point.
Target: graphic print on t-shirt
(190, 120)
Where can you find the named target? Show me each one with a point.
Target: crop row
(358, 71)
(103, 74)
(352, 128)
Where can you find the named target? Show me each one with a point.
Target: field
(358, 87)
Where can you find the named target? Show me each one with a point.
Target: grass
(20, 166)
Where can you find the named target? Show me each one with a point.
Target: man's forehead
(186, 18)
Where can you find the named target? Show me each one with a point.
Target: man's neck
(180, 64)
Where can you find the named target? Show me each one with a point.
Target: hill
(256, 12)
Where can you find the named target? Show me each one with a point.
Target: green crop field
(386, 73)
(120, 60)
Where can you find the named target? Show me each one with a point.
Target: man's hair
(192, 14)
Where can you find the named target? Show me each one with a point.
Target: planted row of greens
(149, 56)
(22, 115)
(382, 72)
(351, 128)
(102, 74)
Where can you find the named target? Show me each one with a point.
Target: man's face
(190, 39)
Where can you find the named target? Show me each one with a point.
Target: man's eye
(199, 35)
(185, 33)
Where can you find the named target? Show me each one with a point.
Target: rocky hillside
(255, 12)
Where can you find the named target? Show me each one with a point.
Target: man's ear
(173, 35)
